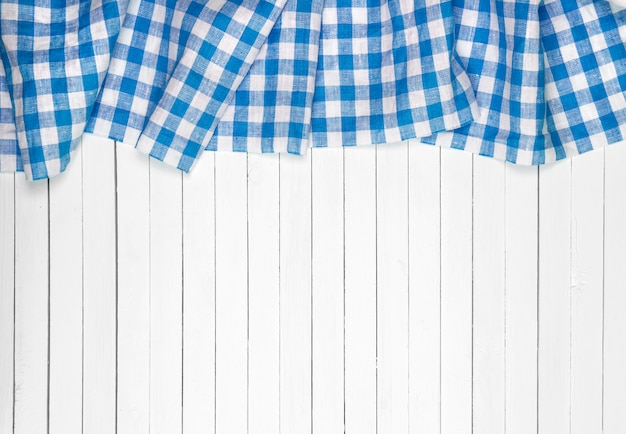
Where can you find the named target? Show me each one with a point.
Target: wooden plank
(392, 288)
(199, 298)
(295, 294)
(100, 302)
(31, 306)
(521, 298)
(133, 295)
(554, 298)
(327, 290)
(7, 287)
(231, 298)
(456, 291)
(614, 344)
(424, 284)
(66, 300)
(360, 289)
(488, 362)
(166, 303)
(263, 294)
(586, 292)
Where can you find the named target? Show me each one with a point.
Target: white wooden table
(391, 290)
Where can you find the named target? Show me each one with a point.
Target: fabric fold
(388, 72)
(175, 68)
(55, 56)
(10, 158)
(526, 81)
(549, 77)
(271, 110)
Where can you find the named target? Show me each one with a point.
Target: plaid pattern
(10, 158)
(387, 72)
(55, 56)
(526, 81)
(384, 73)
(174, 70)
(549, 77)
(271, 110)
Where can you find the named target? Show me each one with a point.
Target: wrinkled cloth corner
(527, 81)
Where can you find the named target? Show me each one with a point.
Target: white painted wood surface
(31, 306)
(360, 325)
(231, 293)
(393, 289)
(263, 294)
(166, 315)
(520, 298)
(392, 296)
(327, 302)
(424, 306)
(198, 382)
(99, 286)
(133, 292)
(456, 293)
(67, 300)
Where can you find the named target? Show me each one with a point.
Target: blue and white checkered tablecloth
(526, 81)
(550, 79)
(54, 56)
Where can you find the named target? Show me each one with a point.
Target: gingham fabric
(55, 55)
(174, 70)
(10, 158)
(549, 76)
(526, 81)
(271, 109)
(384, 72)
(387, 72)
